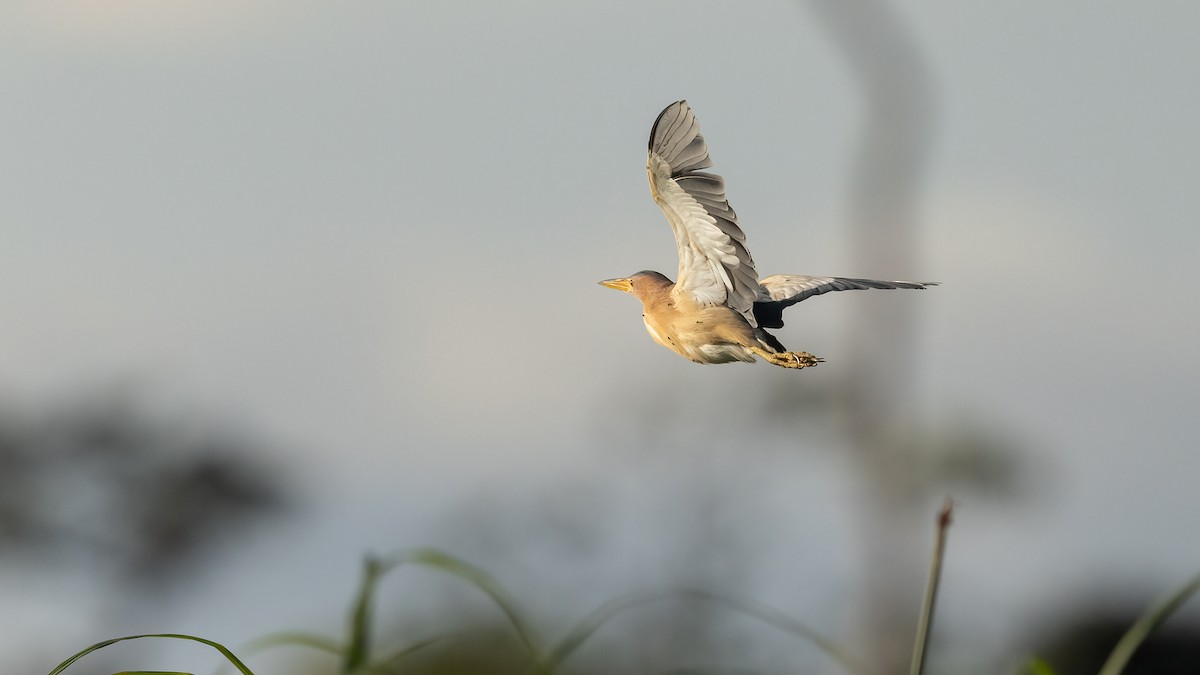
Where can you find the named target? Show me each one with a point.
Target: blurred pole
(875, 402)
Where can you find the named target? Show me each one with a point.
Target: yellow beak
(618, 284)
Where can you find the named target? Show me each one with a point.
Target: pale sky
(371, 232)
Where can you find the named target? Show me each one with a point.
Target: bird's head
(642, 284)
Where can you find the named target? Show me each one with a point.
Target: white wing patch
(714, 266)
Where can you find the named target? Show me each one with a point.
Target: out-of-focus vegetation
(104, 482)
(511, 645)
(132, 499)
(149, 496)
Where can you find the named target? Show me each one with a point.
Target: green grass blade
(358, 644)
(787, 624)
(474, 576)
(293, 639)
(170, 636)
(391, 663)
(772, 617)
(584, 629)
(1141, 629)
(925, 622)
(288, 639)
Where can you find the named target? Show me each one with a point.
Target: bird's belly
(723, 354)
(697, 350)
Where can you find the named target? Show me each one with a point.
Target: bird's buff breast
(701, 353)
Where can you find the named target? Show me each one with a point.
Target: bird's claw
(795, 360)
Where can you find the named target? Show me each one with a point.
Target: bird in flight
(717, 310)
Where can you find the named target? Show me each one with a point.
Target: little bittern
(717, 310)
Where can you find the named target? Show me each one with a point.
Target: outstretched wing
(780, 291)
(714, 266)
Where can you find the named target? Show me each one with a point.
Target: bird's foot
(795, 360)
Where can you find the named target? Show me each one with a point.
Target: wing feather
(780, 291)
(714, 265)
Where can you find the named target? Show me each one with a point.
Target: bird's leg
(788, 359)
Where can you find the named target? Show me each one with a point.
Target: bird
(717, 310)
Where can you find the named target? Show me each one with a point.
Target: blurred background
(284, 283)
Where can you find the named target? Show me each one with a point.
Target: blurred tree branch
(100, 481)
(884, 192)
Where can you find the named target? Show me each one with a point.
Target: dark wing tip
(654, 127)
